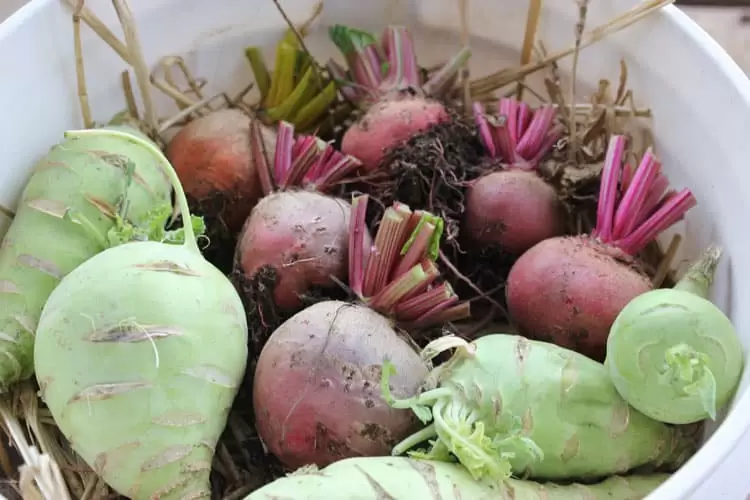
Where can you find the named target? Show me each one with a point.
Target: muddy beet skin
(316, 391)
(569, 291)
(303, 235)
(513, 209)
(387, 124)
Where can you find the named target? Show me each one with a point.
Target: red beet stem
(379, 67)
(633, 207)
(305, 161)
(397, 276)
(398, 46)
(258, 151)
(359, 252)
(519, 136)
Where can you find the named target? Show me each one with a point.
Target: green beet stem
(190, 240)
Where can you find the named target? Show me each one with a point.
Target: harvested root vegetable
(514, 208)
(384, 80)
(296, 91)
(569, 290)
(213, 158)
(316, 387)
(507, 405)
(400, 478)
(300, 235)
(154, 350)
(67, 210)
(672, 354)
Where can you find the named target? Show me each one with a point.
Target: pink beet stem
(632, 201)
(432, 271)
(608, 188)
(411, 309)
(388, 241)
(550, 140)
(358, 254)
(509, 109)
(534, 136)
(398, 45)
(524, 118)
(669, 213)
(485, 132)
(303, 159)
(460, 311)
(627, 176)
(338, 167)
(366, 67)
(428, 318)
(257, 149)
(393, 292)
(417, 250)
(284, 142)
(657, 196)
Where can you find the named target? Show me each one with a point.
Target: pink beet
(316, 390)
(296, 229)
(303, 236)
(514, 208)
(387, 124)
(387, 84)
(568, 290)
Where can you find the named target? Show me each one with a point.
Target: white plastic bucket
(700, 100)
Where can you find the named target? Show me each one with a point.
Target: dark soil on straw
(430, 172)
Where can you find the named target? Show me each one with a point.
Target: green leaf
(153, 228)
(350, 40)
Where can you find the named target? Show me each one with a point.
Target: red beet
(514, 209)
(212, 157)
(299, 232)
(387, 125)
(398, 105)
(568, 290)
(303, 236)
(316, 389)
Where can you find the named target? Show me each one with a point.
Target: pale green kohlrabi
(78, 194)
(139, 354)
(399, 478)
(672, 353)
(504, 405)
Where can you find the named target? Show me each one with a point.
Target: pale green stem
(700, 275)
(418, 437)
(190, 240)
